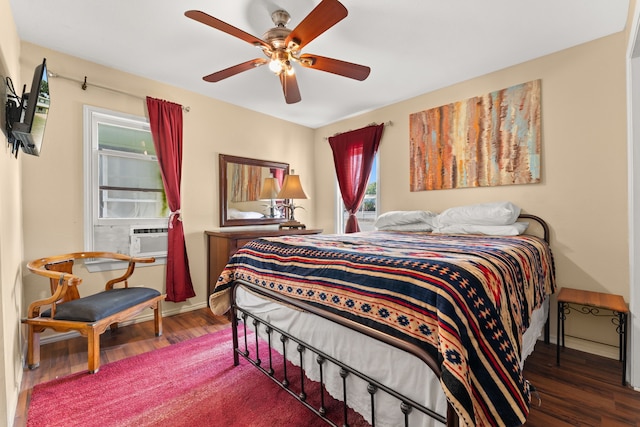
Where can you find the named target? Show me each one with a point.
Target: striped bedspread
(465, 299)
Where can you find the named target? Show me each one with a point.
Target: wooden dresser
(221, 245)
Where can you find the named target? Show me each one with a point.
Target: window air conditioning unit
(147, 240)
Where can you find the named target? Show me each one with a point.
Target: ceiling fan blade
(335, 66)
(324, 16)
(227, 28)
(290, 88)
(232, 71)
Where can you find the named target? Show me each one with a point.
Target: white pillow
(417, 226)
(514, 229)
(233, 213)
(496, 213)
(393, 218)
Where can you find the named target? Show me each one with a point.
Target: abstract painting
(488, 140)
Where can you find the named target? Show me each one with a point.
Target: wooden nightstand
(591, 303)
(221, 245)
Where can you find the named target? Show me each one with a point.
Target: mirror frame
(224, 160)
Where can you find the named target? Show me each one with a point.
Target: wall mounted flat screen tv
(30, 130)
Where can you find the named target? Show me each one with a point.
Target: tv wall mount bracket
(13, 112)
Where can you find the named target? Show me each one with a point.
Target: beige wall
(53, 183)
(10, 236)
(583, 193)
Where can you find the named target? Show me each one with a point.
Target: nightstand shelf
(591, 303)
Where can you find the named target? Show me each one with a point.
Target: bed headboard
(541, 222)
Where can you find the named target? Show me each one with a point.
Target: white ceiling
(412, 46)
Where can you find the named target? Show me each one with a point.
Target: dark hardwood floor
(584, 391)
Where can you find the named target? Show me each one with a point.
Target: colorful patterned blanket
(464, 299)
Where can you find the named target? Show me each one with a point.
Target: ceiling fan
(282, 47)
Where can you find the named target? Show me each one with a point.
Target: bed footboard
(289, 343)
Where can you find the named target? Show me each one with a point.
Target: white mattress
(394, 368)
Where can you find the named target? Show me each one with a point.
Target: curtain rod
(85, 84)
(389, 123)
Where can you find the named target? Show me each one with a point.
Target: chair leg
(33, 348)
(157, 318)
(93, 345)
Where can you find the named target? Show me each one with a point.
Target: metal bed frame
(405, 404)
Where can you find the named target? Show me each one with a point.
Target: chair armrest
(64, 281)
(61, 289)
(129, 272)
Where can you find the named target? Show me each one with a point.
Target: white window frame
(92, 116)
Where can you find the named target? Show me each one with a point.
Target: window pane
(132, 204)
(131, 173)
(368, 211)
(111, 137)
(130, 187)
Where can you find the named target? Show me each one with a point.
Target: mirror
(241, 183)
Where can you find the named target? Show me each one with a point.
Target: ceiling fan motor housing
(280, 18)
(276, 36)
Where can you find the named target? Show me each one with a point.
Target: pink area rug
(193, 383)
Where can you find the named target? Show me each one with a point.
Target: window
(126, 209)
(368, 211)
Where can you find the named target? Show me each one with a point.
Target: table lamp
(270, 190)
(292, 189)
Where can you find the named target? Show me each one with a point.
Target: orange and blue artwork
(245, 182)
(488, 140)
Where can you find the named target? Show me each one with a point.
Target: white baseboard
(604, 350)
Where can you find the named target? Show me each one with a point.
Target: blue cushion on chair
(98, 306)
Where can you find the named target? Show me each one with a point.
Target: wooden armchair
(66, 311)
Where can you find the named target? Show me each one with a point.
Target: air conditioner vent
(148, 230)
(147, 240)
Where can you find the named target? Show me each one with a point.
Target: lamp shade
(291, 188)
(270, 189)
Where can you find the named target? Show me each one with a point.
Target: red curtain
(353, 155)
(165, 119)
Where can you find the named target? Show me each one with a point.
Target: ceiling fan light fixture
(279, 61)
(290, 70)
(275, 65)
